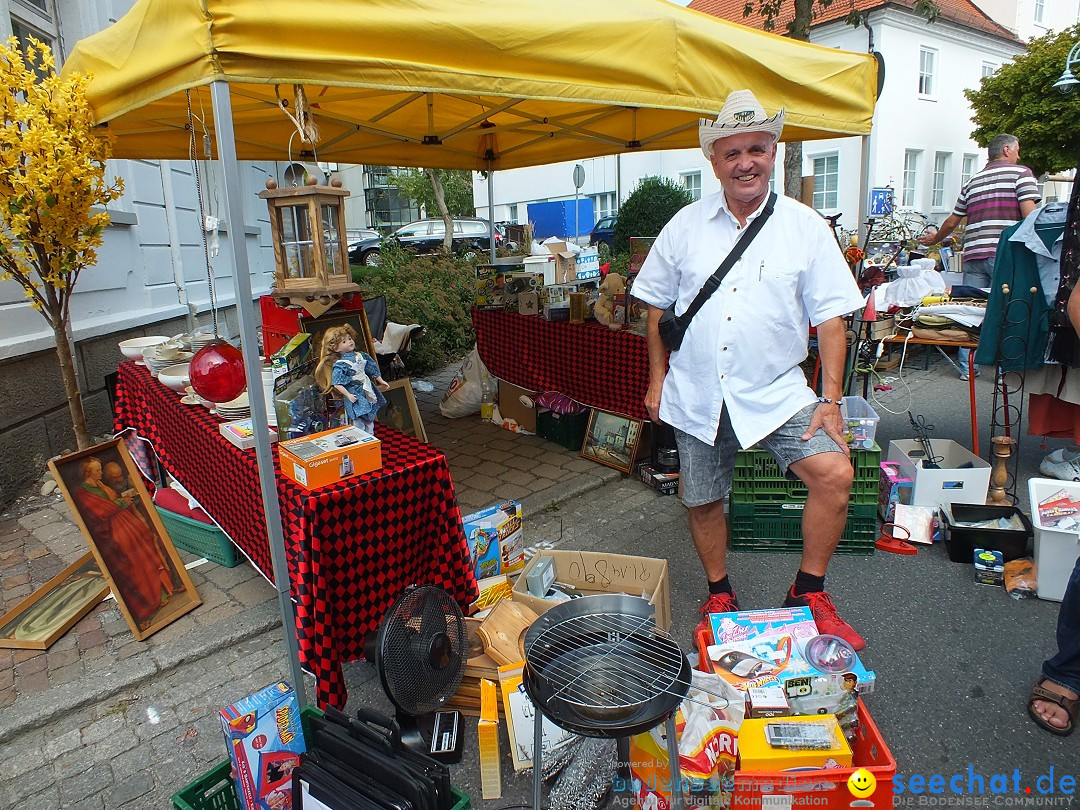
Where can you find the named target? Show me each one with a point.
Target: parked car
(602, 236)
(425, 237)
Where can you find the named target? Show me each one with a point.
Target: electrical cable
(197, 173)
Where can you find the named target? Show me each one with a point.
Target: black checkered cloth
(352, 547)
(589, 362)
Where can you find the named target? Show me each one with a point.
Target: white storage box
(541, 264)
(861, 422)
(1056, 546)
(951, 481)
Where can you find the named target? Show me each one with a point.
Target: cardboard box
(767, 701)
(241, 432)
(528, 303)
(330, 456)
(496, 541)
(892, 489)
(510, 405)
(265, 740)
(989, 566)
(593, 572)
(565, 262)
(663, 482)
(756, 754)
(1057, 533)
(587, 264)
(951, 481)
(545, 265)
(292, 355)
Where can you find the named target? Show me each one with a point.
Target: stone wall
(35, 424)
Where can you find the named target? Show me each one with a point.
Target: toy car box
(330, 456)
(496, 540)
(265, 740)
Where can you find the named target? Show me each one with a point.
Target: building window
(1040, 11)
(826, 182)
(604, 205)
(512, 214)
(988, 70)
(927, 62)
(941, 168)
(967, 169)
(911, 178)
(692, 182)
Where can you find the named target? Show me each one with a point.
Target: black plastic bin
(961, 541)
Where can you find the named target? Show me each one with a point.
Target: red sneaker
(716, 603)
(826, 618)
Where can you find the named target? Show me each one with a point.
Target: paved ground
(103, 721)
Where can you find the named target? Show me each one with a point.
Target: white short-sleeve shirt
(744, 346)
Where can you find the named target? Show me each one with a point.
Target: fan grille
(422, 650)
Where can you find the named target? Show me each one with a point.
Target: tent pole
(864, 188)
(234, 212)
(491, 209)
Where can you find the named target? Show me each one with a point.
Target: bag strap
(713, 282)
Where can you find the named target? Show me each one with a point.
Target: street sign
(579, 175)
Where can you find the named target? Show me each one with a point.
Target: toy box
(892, 489)
(753, 648)
(756, 753)
(1055, 513)
(330, 456)
(265, 740)
(292, 355)
(496, 541)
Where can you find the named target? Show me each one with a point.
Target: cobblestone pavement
(103, 721)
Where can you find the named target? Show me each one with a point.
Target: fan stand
(438, 735)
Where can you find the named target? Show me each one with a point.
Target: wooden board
(503, 631)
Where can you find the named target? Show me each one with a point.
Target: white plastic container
(861, 421)
(952, 481)
(1056, 547)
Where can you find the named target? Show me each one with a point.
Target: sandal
(1070, 705)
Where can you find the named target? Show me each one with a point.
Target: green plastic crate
(214, 790)
(567, 429)
(204, 539)
(757, 477)
(770, 526)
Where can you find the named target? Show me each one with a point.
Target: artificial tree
(52, 175)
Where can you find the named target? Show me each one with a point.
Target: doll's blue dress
(350, 371)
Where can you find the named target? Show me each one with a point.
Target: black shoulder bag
(673, 327)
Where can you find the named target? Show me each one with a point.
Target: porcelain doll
(351, 373)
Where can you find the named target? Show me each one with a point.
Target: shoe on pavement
(1055, 465)
(716, 603)
(826, 618)
(964, 375)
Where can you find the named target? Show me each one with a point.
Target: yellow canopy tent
(439, 83)
(484, 84)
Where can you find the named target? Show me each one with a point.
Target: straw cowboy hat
(742, 112)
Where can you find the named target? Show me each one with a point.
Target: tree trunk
(71, 384)
(793, 169)
(440, 202)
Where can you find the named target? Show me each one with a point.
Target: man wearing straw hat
(735, 380)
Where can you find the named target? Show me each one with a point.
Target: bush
(653, 202)
(435, 291)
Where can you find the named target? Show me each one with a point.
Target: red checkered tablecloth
(589, 362)
(351, 547)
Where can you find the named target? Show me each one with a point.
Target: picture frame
(54, 608)
(111, 506)
(400, 411)
(357, 319)
(612, 439)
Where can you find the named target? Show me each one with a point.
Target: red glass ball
(217, 372)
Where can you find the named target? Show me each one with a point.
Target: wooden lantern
(307, 224)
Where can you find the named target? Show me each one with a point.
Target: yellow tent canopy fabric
(484, 84)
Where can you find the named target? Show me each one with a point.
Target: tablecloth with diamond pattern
(589, 362)
(352, 547)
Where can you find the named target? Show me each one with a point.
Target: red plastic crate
(817, 788)
(280, 324)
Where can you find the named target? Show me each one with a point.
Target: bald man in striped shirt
(1003, 193)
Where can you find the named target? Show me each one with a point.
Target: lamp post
(1068, 82)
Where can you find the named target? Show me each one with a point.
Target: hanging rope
(302, 119)
(197, 172)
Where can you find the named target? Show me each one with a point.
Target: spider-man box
(265, 740)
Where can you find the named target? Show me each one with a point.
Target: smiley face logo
(862, 783)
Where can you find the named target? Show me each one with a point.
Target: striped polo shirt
(991, 202)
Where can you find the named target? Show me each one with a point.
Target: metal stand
(538, 760)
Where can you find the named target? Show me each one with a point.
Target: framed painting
(111, 506)
(400, 411)
(612, 440)
(50, 611)
(357, 319)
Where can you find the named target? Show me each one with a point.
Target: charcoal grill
(600, 667)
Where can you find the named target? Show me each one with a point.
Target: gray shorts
(706, 469)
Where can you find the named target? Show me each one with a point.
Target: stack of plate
(200, 339)
(239, 408)
(156, 361)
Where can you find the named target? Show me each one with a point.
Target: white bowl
(176, 377)
(132, 348)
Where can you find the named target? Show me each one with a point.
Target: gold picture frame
(400, 411)
(54, 608)
(110, 504)
(356, 318)
(612, 440)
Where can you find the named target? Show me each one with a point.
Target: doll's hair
(328, 353)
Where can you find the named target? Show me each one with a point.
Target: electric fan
(420, 651)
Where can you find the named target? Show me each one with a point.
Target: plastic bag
(463, 395)
(914, 282)
(1021, 578)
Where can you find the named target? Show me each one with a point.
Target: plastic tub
(861, 421)
(961, 541)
